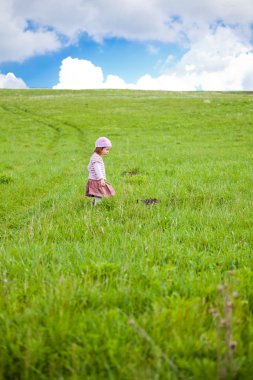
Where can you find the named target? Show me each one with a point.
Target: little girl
(97, 186)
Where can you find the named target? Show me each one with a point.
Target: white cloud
(215, 51)
(78, 74)
(152, 49)
(115, 82)
(181, 21)
(218, 62)
(10, 81)
(16, 42)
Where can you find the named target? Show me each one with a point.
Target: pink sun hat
(103, 142)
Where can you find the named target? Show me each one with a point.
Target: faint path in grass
(64, 134)
(50, 123)
(20, 112)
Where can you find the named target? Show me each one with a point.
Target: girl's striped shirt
(96, 167)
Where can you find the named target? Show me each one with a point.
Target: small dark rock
(131, 172)
(5, 179)
(148, 201)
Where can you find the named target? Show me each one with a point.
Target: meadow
(126, 290)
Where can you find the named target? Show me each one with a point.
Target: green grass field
(126, 290)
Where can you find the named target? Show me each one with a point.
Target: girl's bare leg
(96, 200)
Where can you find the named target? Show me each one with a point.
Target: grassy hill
(126, 290)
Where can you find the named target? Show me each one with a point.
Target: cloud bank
(218, 62)
(34, 27)
(10, 81)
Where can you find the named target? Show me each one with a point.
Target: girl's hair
(98, 150)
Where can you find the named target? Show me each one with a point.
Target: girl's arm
(98, 172)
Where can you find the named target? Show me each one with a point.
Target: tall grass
(124, 290)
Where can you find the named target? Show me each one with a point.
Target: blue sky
(140, 44)
(128, 59)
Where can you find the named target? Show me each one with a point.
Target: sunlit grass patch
(124, 290)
